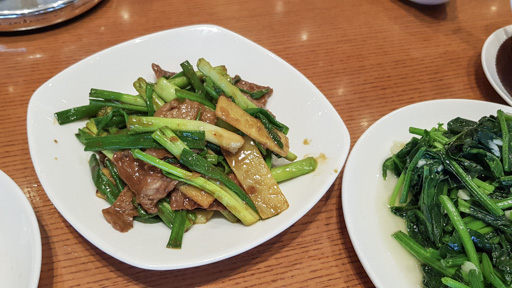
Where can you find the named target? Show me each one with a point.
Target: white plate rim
(379, 277)
(32, 225)
(339, 160)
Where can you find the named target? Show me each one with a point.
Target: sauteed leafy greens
(454, 191)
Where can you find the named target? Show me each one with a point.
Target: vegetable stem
(120, 141)
(505, 139)
(116, 96)
(101, 181)
(219, 136)
(397, 189)
(228, 88)
(421, 253)
(178, 229)
(137, 108)
(184, 94)
(489, 274)
(193, 161)
(470, 185)
(193, 79)
(408, 174)
(149, 99)
(141, 86)
(165, 89)
(460, 227)
(294, 169)
(77, 113)
(453, 283)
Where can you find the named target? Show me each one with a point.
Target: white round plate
(316, 129)
(489, 52)
(25, 15)
(20, 243)
(365, 194)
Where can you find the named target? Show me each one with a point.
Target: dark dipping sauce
(504, 64)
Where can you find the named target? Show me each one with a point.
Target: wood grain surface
(368, 57)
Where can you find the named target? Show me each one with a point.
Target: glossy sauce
(504, 64)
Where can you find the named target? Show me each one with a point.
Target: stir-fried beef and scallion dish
(188, 145)
(454, 191)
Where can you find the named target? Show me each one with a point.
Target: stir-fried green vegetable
(196, 153)
(454, 194)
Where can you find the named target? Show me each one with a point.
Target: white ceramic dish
(62, 168)
(25, 15)
(489, 52)
(20, 243)
(365, 194)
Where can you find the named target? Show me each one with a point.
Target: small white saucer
(489, 52)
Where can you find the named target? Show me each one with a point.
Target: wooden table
(367, 57)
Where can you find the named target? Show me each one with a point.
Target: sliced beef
(180, 201)
(252, 87)
(186, 109)
(159, 72)
(147, 182)
(120, 214)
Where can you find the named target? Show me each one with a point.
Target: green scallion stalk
(118, 105)
(178, 229)
(193, 161)
(193, 79)
(77, 113)
(221, 82)
(168, 215)
(193, 139)
(184, 94)
(269, 117)
(211, 88)
(224, 138)
(115, 175)
(197, 163)
(165, 89)
(116, 96)
(101, 181)
(234, 204)
(165, 137)
(149, 99)
(140, 86)
(120, 142)
(256, 94)
(294, 169)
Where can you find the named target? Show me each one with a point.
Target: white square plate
(316, 129)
